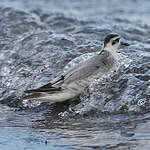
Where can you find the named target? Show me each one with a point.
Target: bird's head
(112, 43)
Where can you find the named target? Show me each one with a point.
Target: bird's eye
(115, 41)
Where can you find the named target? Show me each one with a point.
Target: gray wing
(80, 71)
(50, 87)
(86, 69)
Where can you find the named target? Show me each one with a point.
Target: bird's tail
(32, 97)
(43, 93)
(50, 96)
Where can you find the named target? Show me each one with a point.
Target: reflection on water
(26, 130)
(17, 131)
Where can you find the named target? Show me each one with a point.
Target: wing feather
(82, 70)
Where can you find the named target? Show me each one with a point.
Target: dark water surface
(37, 39)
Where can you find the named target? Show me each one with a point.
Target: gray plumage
(73, 82)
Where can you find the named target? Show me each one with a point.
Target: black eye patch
(115, 41)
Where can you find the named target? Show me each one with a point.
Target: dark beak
(124, 44)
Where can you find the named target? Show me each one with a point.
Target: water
(38, 39)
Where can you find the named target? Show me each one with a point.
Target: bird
(75, 80)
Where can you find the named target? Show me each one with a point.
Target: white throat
(112, 50)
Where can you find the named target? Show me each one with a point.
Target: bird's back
(81, 75)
